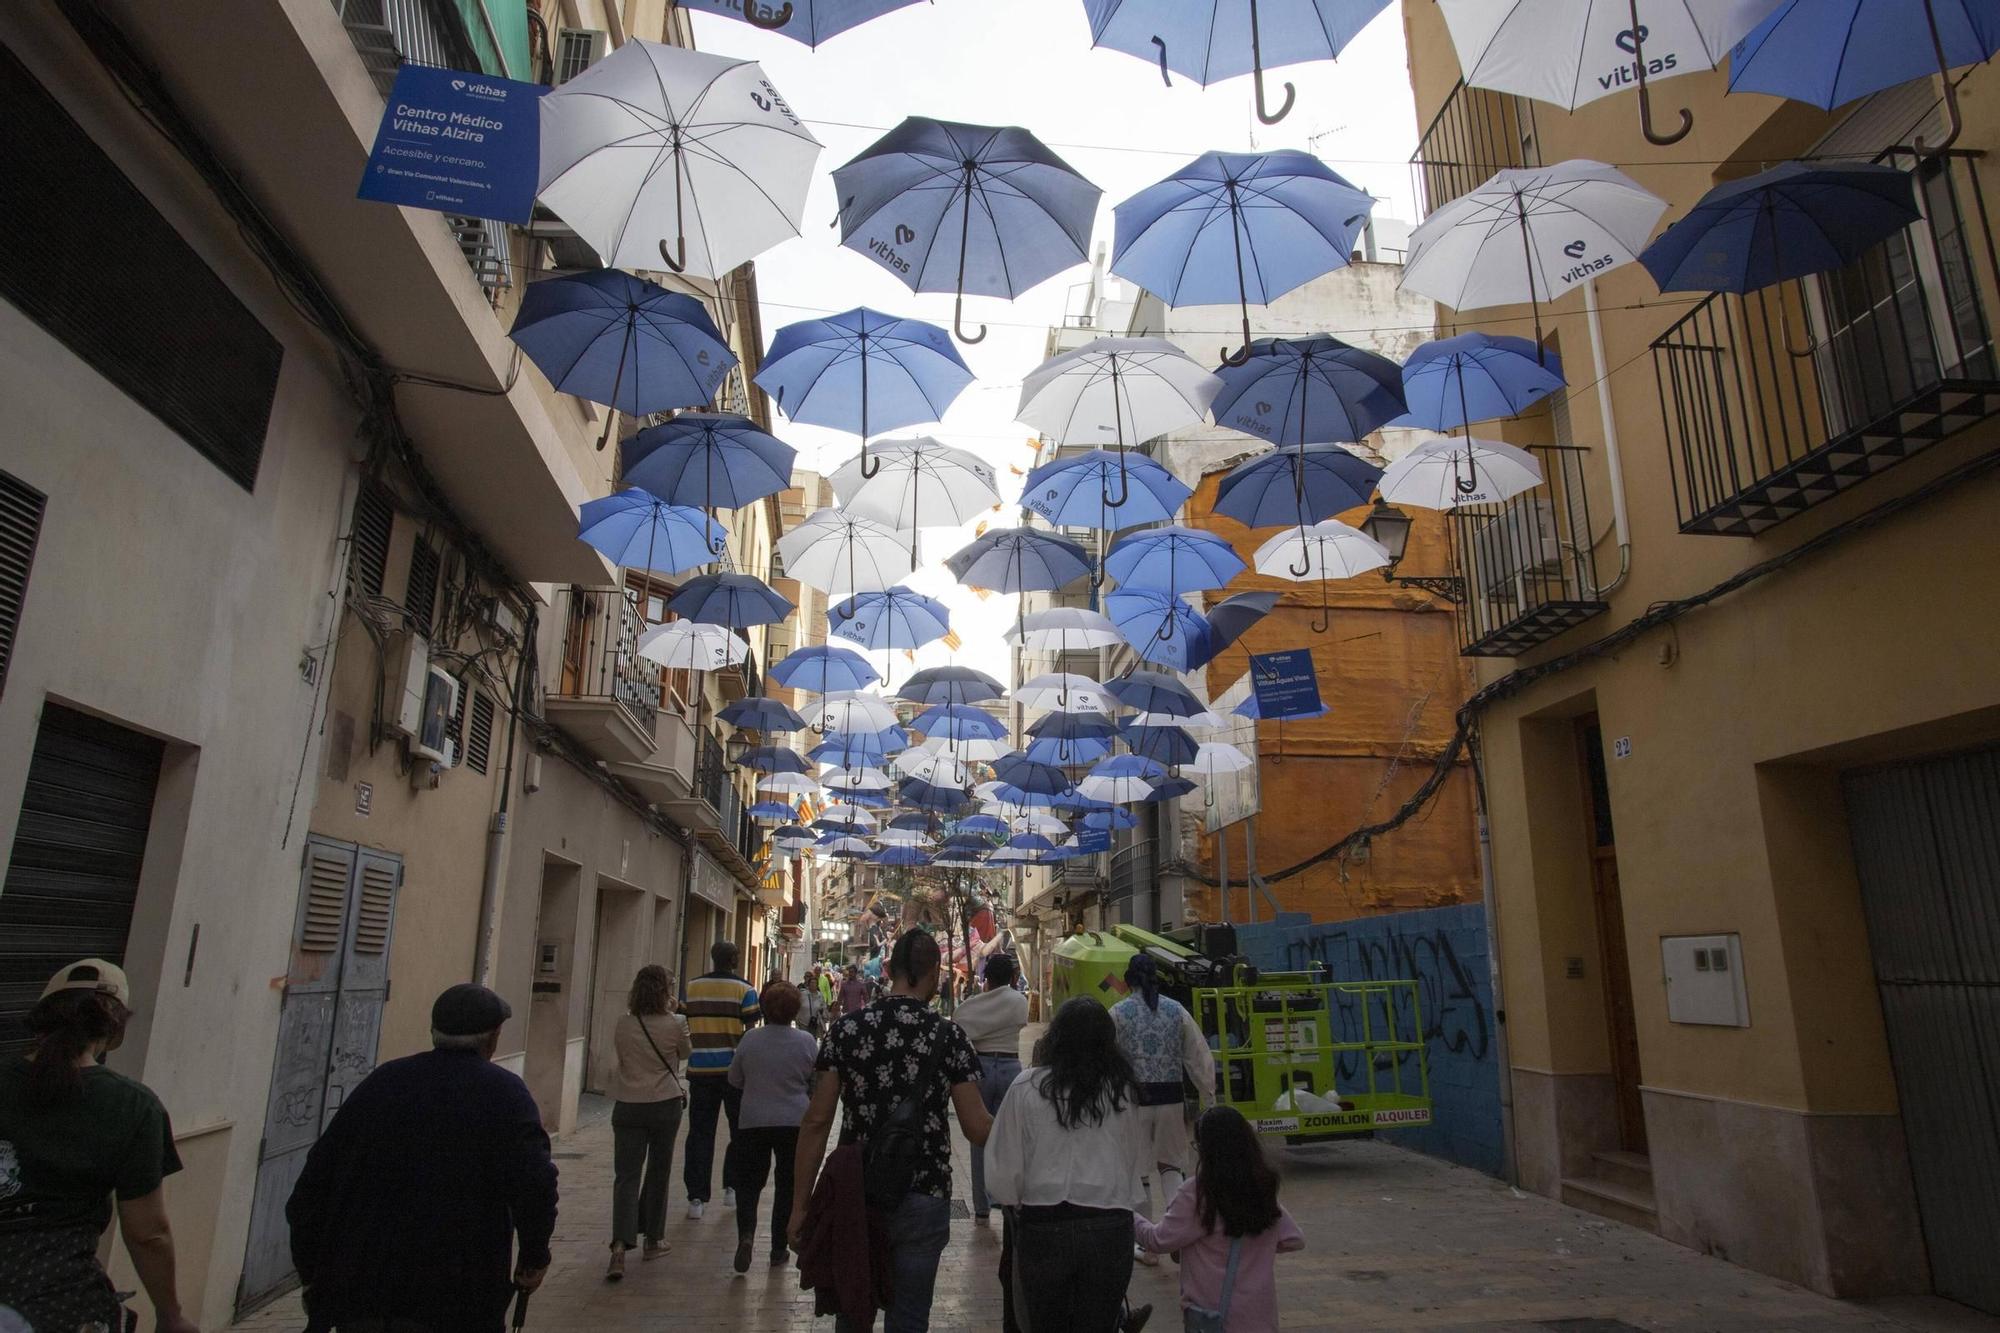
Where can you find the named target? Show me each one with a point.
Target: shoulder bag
(665, 1063)
(1197, 1320)
(892, 1153)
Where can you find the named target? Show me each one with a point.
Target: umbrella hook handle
(964, 239)
(870, 467)
(958, 322)
(1653, 136)
(1241, 356)
(1812, 343)
(1161, 42)
(1166, 633)
(1124, 485)
(1324, 620)
(678, 260)
(1257, 71)
(1954, 121)
(778, 18)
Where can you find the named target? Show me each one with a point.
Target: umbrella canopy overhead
(951, 207)
(1155, 692)
(939, 770)
(1160, 626)
(849, 713)
(797, 783)
(1017, 770)
(774, 759)
(1327, 550)
(847, 781)
(755, 712)
(1064, 692)
(1019, 560)
(1214, 758)
(863, 371)
(917, 483)
(1162, 745)
(950, 685)
(823, 668)
(1077, 492)
(622, 341)
(1476, 377)
(959, 722)
(1231, 618)
(894, 618)
(1062, 628)
(662, 154)
(1122, 778)
(1132, 388)
(1073, 726)
(808, 21)
(636, 529)
(1242, 227)
(841, 553)
(711, 459)
(1171, 559)
(736, 600)
(777, 810)
(1450, 471)
(1066, 752)
(689, 645)
(1314, 390)
(1792, 221)
(1296, 486)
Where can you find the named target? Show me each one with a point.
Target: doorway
(545, 1066)
(1927, 853)
(1620, 1019)
(615, 957)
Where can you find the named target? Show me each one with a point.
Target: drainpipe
(1612, 461)
(1508, 1165)
(491, 892)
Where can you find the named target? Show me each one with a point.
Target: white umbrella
(1117, 790)
(851, 711)
(1064, 692)
(1130, 388)
(1065, 628)
(662, 155)
(1326, 550)
(1204, 719)
(1531, 234)
(855, 779)
(916, 483)
(688, 645)
(1213, 758)
(793, 842)
(965, 751)
(903, 837)
(841, 553)
(1570, 54)
(798, 783)
(1036, 821)
(844, 812)
(1448, 471)
(1009, 856)
(942, 770)
(845, 845)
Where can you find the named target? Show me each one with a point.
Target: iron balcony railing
(715, 784)
(1782, 399)
(1474, 134)
(600, 652)
(1526, 563)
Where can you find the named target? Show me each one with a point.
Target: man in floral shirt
(876, 1055)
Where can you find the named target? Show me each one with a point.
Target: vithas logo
(904, 235)
(1575, 249)
(1631, 41)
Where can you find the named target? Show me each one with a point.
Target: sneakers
(743, 1255)
(779, 1258)
(1135, 1318)
(728, 1197)
(1141, 1256)
(695, 1207)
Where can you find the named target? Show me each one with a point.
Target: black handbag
(892, 1153)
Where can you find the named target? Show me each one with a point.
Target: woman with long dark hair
(1163, 1042)
(1064, 1159)
(651, 1043)
(1228, 1228)
(74, 1135)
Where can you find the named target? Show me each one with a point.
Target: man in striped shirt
(720, 1007)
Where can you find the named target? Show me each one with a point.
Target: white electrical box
(440, 705)
(409, 683)
(1704, 976)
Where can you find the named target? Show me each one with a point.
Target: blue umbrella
(844, 747)
(1030, 842)
(982, 824)
(991, 201)
(1300, 486)
(1830, 52)
(911, 821)
(931, 796)
(1315, 390)
(736, 600)
(874, 800)
(838, 828)
(950, 685)
(822, 372)
(709, 459)
(1072, 492)
(894, 618)
(636, 529)
(1154, 692)
(755, 712)
(1067, 751)
(822, 668)
(1160, 626)
(901, 856)
(621, 341)
(1019, 560)
(1072, 727)
(792, 836)
(1211, 40)
(959, 722)
(1113, 818)
(1476, 377)
(1008, 793)
(963, 840)
(808, 21)
(1163, 745)
(774, 759)
(771, 810)
(1789, 222)
(1238, 226)
(1231, 618)
(1018, 770)
(1172, 559)
(1167, 788)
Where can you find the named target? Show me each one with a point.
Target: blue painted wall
(1443, 949)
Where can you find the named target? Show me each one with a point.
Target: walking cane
(520, 1308)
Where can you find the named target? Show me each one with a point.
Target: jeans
(918, 1232)
(753, 1166)
(707, 1094)
(1070, 1272)
(996, 1074)
(642, 1137)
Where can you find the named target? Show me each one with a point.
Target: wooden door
(1614, 963)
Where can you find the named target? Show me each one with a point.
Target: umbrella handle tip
(1239, 357)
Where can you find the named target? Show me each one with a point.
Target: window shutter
(20, 529)
(479, 745)
(326, 898)
(374, 514)
(377, 907)
(420, 591)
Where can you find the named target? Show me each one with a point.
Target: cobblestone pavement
(1395, 1241)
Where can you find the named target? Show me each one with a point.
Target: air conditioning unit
(577, 49)
(431, 739)
(409, 667)
(1519, 540)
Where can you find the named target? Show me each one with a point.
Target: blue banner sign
(1094, 840)
(459, 143)
(1286, 683)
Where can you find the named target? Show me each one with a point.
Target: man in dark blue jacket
(413, 1198)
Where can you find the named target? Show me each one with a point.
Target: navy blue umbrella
(1231, 618)
(1067, 752)
(863, 371)
(755, 712)
(823, 668)
(959, 722)
(636, 529)
(1154, 692)
(1302, 486)
(1211, 40)
(931, 796)
(992, 824)
(901, 856)
(1243, 227)
(1030, 842)
(1073, 492)
(1315, 390)
(1172, 559)
(1166, 788)
(1113, 818)
(808, 21)
(710, 459)
(950, 685)
(1008, 793)
(621, 341)
(989, 203)
(774, 759)
(1019, 560)
(1476, 377)
(732, 599)
(1789, 222)
(846, 748)
(777, 810)
(1031, 775)
(965, 841)
(1072, 726)
(1160, 626)
(1163, 744)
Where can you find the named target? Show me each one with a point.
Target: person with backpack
(651, 1043)
(1228, 1228)
(898, 1070)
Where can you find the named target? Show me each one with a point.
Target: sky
(1030, 63)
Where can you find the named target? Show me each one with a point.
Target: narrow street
(1395, 1240)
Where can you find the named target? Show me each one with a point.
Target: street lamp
(736, 747)
(1389, 527)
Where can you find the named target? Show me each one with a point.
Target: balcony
(684, 774)
(604, 694)
(1474, 134)
(1527, 564)
(1897, 356)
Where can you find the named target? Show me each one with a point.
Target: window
(676, 685)
(479, 743)
(420, 592)
(454, 726)
(374, 513)
(20, 528)
(577, 49)
(165, 330)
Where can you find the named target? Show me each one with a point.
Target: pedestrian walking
(993, 1020)
(813, 1012)
(74, 1136)
(855, 992)
(897, 1071)
(435, 1169)
(650, 1044)
(1163, 1042)
(773, 1070)
(1064, 1158)
(721, 1006)
(1228, 1228)
(828, 993)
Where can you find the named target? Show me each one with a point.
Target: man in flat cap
(409, 1210)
